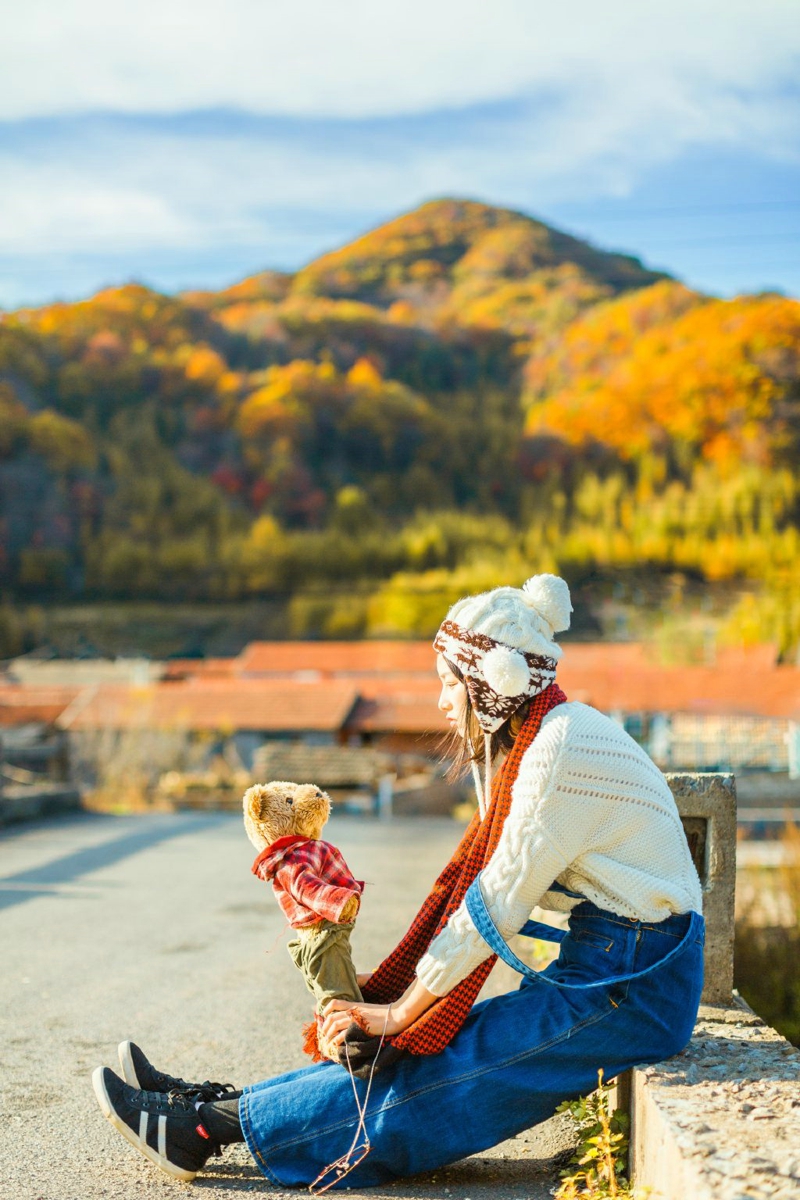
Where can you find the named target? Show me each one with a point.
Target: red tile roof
(408, 708)
(23, 705)
(628, 678)
(206, 668)
(624, 677)
(336, 658)
(315, 686)
(218, 705)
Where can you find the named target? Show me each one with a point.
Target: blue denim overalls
(621, 992)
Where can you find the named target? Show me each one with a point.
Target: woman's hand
(373, 1018)
(363, 978)
(376, 1019)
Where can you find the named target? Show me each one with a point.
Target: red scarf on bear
(431, 1032)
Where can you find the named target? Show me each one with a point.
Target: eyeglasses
(357, 1153)
(343, 1166)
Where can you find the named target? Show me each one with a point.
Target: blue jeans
(516, 1057)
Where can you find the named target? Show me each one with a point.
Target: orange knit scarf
(431, 1032)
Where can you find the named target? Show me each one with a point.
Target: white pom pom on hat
(549, 596)
(506, 671)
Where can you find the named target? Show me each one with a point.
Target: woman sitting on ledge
(574, 817)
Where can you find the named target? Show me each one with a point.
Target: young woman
(577, 819)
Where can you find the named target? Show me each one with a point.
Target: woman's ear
(311, 808)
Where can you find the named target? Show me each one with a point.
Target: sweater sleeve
(527, 860)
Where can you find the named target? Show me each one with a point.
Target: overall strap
(476, 907)
(548, 933)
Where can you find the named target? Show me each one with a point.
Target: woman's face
(453, 696)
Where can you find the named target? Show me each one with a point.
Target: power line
(692, 210)
(745, 239)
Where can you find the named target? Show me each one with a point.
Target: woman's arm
(377, 1019)
(523, 866)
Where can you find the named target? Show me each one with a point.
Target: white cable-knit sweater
(590, 810)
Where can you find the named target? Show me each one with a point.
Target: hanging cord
(345, 1164)
(483, 788)
(487, 772)
(280, 934)
(476, 777)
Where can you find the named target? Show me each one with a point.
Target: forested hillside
(449, 402)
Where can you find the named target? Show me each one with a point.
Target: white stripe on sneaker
(162, 1137)
(120, 1123)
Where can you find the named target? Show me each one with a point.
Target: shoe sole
(126, 1063)
(159, 1160)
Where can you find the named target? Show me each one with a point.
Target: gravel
(732, 1103)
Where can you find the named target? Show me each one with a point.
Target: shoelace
(180, 1100)
(188, 1099)
(206, 1091)
(168, 1084)
(161, 1101)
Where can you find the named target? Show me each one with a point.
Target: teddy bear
(314, 887)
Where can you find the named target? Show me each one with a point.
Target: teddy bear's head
(278, 809)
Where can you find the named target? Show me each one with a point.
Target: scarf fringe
(311, 1041)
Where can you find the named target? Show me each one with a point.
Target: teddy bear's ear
(267, 813)
(311, 808)
(258, 801)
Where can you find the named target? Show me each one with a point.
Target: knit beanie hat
(503, 644)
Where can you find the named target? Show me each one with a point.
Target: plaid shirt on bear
(309, 877)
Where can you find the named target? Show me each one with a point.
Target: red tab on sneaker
(201, 1129)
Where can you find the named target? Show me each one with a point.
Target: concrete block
(707, 805)
(720, 1121)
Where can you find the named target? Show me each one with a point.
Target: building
(740, 713)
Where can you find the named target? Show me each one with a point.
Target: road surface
(153, 928)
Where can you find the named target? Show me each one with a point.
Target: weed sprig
(602, 1153)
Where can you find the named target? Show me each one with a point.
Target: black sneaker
(140, 1073)
(166, 1128)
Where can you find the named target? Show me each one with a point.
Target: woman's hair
(470, 749)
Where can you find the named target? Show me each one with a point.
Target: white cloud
(362, 57)
(331, 116)
(112, 183)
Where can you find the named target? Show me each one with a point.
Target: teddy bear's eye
(288, 800)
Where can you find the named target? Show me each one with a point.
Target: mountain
(447, 244)
(453, 262)
(297, 430)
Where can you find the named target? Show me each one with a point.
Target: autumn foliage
(670, 373)
(454, 398)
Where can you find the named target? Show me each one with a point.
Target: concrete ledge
(721, 1121)
(27, 804)
(707, 805)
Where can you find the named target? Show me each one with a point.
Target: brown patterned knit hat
(503, 644)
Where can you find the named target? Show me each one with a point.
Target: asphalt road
(153, 928)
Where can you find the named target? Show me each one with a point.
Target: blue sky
(190, 144)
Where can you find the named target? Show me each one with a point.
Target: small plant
(601, 1157)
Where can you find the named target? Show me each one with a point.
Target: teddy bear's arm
(327, 900)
